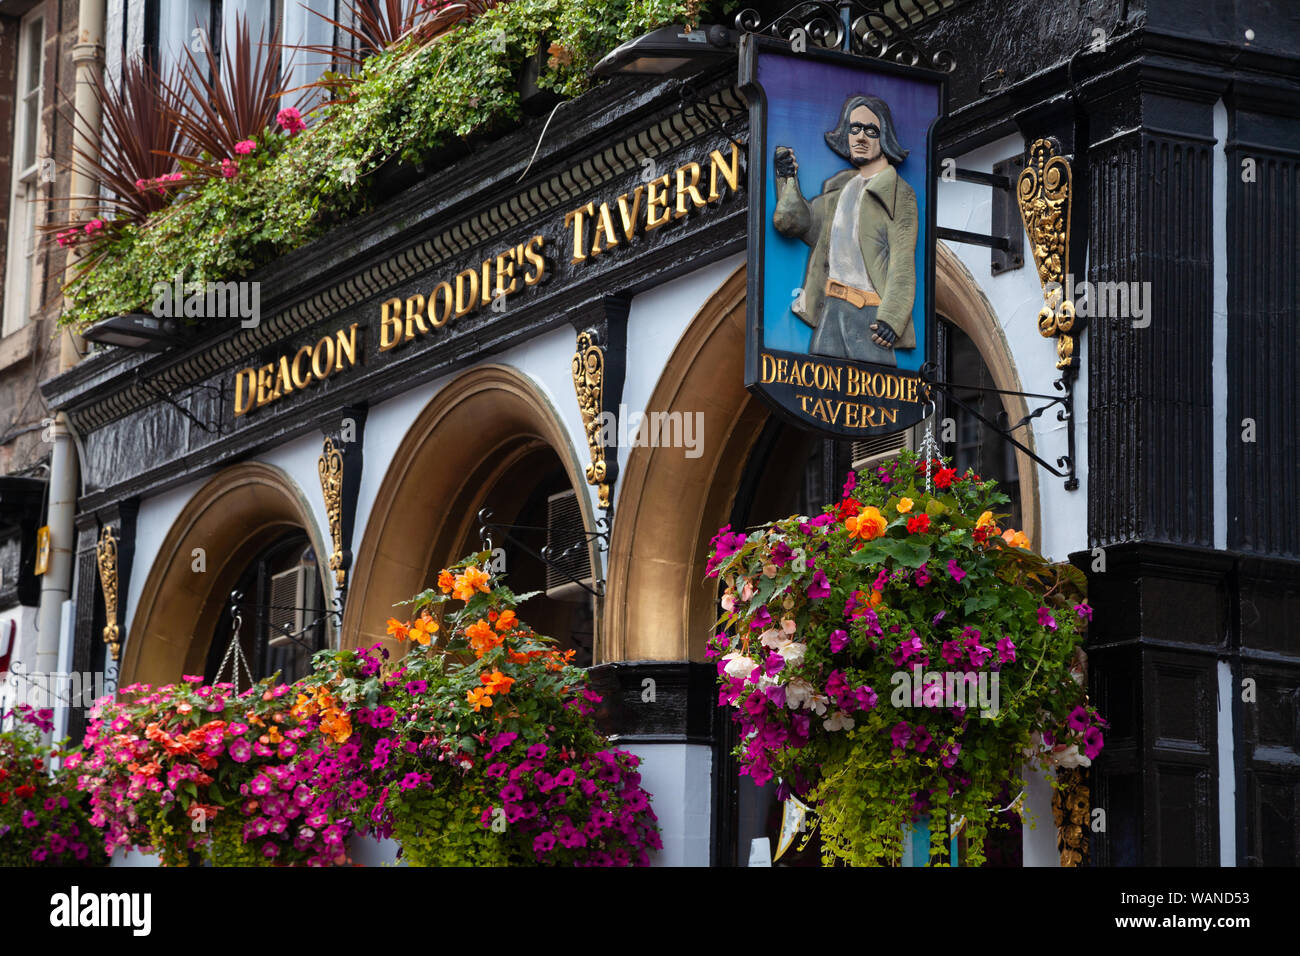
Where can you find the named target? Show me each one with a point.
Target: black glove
(784, 162)
(885, 332)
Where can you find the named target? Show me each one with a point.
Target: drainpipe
(56, 583)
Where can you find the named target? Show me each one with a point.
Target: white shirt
(846, 265)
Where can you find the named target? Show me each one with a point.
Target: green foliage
(406, 104)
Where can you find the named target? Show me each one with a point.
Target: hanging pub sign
(841, 236)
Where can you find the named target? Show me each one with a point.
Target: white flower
(792, 652)
(817, 704)
(838, 721)
(728, 601)
(787, 625)
(798, 692)
(772, 638)
(738, 665)
(1069, 757)
(746, 591)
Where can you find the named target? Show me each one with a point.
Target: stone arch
(478, 428)
(659, 605)
(232, 517)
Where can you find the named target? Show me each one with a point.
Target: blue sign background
(803, 102)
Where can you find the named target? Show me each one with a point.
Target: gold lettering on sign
(841, 382)
(256, 386)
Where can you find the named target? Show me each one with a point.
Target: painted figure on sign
(860, 283)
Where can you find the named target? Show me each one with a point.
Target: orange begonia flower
(422, 631)
(1016, 539)
(398, 629)
(446, 581)
(516, 657)
(506, 621)
(870, 524)
(984, 519)
(479, 697)
(466, 584)
(496, 682)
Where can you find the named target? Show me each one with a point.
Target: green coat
(888, 224)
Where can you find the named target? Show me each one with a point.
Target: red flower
(944, 477)
(919, 524)
(25, 791)
(848, 507)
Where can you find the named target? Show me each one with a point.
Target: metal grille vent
(873, 451)
(566, 543)
(292, 603)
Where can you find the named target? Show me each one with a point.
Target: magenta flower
(1006, 650)
(229, 169)
(239, 751)
(410, 781)
(1092, 743)
(543, 843)
(1084, 611)
(502, 741)
(950, 754)
(537, 751)
(820, 586)
(951, 652)
(839, 640)
(921, 576)
(94, 226)
(1078, 719)
(866, 697)
(415, 687)
(979, 655)
(762, 620)
(290, 120)
(29, 819)
(357, 790)
(565, 777)
(245, 146)
(955, 570)
(921, 739)
(1045, 619)
(900, 735)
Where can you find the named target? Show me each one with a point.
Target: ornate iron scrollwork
(589, 384)
(880, 29)
(1043, 192)
(330, 466)
(106, 554)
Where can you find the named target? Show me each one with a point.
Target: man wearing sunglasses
(861, 278)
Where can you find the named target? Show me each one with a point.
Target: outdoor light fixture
(136, 330)
(667, 49)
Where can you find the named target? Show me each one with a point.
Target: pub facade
(539, 349)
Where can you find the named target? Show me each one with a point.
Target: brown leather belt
(859, 298)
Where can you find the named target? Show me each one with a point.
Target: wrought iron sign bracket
(1065, 464)
(1007, 241)
(870, 29)
(238, 604)
(546, 555)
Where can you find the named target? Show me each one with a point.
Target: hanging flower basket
(899, 658)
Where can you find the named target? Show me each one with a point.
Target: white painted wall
(1016, 297)
(680, 781)
(152, 524)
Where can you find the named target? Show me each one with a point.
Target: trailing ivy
(406, 103)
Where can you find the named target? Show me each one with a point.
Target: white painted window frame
(21, 246)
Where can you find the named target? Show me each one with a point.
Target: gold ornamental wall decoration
(1071, 807)
(106, 553)
(330, 466)
(589, 384)
(1043, 191)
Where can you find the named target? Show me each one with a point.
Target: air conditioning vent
(870, 452)
(294, 602)
(566, 541)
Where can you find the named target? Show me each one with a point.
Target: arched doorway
(230, 521)
(489, 439)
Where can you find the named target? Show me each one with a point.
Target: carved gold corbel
(589, 384)
(1043, 191)
(330, 466)
(1071, 806)
(106, 553)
